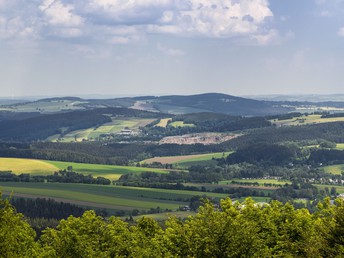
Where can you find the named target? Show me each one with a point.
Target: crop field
(188, 160)
(181, 124)
(334, 169)
(259, 181)
(114, 197)
(45, 167)
(310, 119)
(113, 127)
(163, 122)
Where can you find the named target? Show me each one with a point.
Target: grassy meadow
(259, 181)
(163, 122)
(188, 160)
(113, 197)
(304, 120)
(45, 167)
(334, 169)
(93, 133)
(181, 124)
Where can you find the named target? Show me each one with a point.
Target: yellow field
(18, 166)
(304, 120)
(163, 122)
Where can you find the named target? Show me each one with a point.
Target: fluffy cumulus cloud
(208, 18)
(125, 21)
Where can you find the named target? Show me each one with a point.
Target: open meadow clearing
(115, 197)
(188, 160)
(303, 120)
(181, 124)
(93, 133)
(339, 188)
(163, 122)
(261, 182)
(46, 167)
(334, 169)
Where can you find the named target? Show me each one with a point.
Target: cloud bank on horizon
(48, 45)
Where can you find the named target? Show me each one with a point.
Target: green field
(334, 169)
(45, 167)
(93, 133)
(163, 122)
(259, 181)
(188, 160)
(180, 124)
(340, 146)
(303, 120)
(47, 106)
(113, 197)
(339, 188)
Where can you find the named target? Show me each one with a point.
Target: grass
(93, 133)
(45, 167)
(181, 124)
(187, 160)
(310, 119)
(163, 122)
(334, 169)
(259, 181)
(119, 197)
(339, 188)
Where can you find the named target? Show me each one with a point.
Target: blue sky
(152, 47)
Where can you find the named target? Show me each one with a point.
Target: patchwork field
(45, 167)
(113, 127)
(188, 160)
(112, 197)
(303, 120)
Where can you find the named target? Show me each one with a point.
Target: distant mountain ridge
(175, 104)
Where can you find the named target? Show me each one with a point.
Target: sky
(162, 47)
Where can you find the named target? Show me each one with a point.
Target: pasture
(188, 160)
(261, 182)
(112, 197)
(339, 188)
(304, 120)
(46, 167)
(163, 122)
(93, 133)
(180, 124)
(334, 169)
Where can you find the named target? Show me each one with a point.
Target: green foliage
(16, 235)
(233, 229)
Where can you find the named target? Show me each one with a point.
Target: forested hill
(172, 104)
(34, 126)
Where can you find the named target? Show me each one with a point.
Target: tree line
(232, 229)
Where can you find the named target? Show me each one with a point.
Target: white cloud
(341, 32)
(170, 51)
(271, 37)
(124, 21)
(208, 18)
(14, 27)
(61, 14)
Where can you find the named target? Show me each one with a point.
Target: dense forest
(232, 229)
